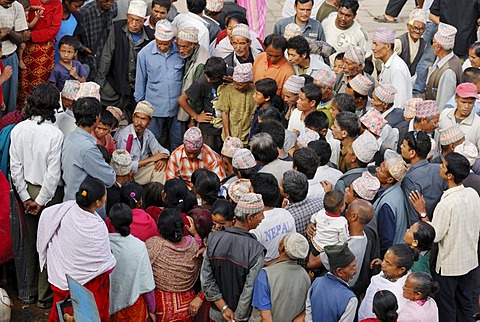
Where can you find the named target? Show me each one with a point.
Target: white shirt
(277, 223)
(315, 189)
(326, 173)
(189, 19)
(470, 126)
(395, 72)
(35, 157)
(335, 146)
(13, 18)
(330, 230)
(295, 124)
(316, 64)
(65, 121)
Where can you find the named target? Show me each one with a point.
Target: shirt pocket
(178, 70)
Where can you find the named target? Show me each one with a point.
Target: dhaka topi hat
(121, 162)
(294, 83)
(243, 73)
(230, 145)
(192, 139)
(144, 107)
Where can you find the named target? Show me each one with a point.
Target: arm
(16, 169)
(266, 316)
(386, 227)
(261, 296)
(245, 300)
(200, 118)
(172, 167)
(446, 87)
(140, 77)
(95, 166)
(226, 123)
(350, 310)
(308, 308)
(49, 33)
(52, 175)
(210, 287)
(38, 14)
(106, 59)
(408, 186)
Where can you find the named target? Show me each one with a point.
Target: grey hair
(263, 148)
(423, 283)
(241, 216)
(295, 184)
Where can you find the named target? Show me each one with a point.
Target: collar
(98, 12)
(282, 61)
(439, 63)
(308, 25)
(389, 62)
(384, 114)
(131, 130)
(453, 190)
(84, 133)
(156, 51)
(467, 121)
(418, 165)
(143, 36)
(184, 154)
(332, 215)
(213, 20)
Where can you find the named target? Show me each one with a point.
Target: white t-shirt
(277, 223)
(295, 124)
(331, 230)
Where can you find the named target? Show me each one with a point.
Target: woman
(69, 22)
(420, 237)
(473, 56)
(256, 15)
(395, 269)
(385, 307)
(206, 186)
(39, 51)
(420, 307)
(175, 267)
(222, 215)
(132, 285)
(73, 239)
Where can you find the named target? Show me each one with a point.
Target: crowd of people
(188, 167)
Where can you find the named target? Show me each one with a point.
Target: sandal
(383, 19)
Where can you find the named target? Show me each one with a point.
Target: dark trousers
(394, 7)
(454, 300)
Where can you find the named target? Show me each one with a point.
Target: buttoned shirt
(279, 72)
(470, 125)
(13, 18)
(457, 228)
(35, 158)
(303, 211)
(395, 72)
(141, 149)
(312, 29)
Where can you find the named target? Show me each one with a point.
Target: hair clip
(133, 195)
(84, 193)
(180, 200)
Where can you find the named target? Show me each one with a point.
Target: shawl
(132, 275)
(73, 241)
(414, 312)
(174, 268)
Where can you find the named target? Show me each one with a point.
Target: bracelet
(224, 308)
(201, 296)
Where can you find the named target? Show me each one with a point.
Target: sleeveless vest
(405, 54)
(434, 79)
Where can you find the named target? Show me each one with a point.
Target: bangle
(224, 308)
(201, 296)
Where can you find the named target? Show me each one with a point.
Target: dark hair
(207, 185)
(131, 193)
(105, 155)
(300, 45)
(43, 101)
(357, 94)
(424, 283)
(340, 56)
(295, 184)
(121, 218)
(405, 256)
(215, 68)
(69, 41)
(476, 48)
(107, 118)
(246, 173)
(223, 208)
(344, 102)
(306, 161)
(266, 185)
(333, 201)
(266, 86)
(425, 235)
(312, 93)
(91, 190)
(86, 110)
(458, 166)
(322, 149)
(308, 79)
(348, 122)
(317, 121)
(236, 16)
(303, 1)
(419, 142)
(471, 74)
(196, 6)
(269, 113)
(276, 41)
(349, 4)
(275, 129)
(263, 148)
(152, 195)
(162, 3)
(25, 3)
(368, 67)
(170, 225)
(385, 306)
(176, 192)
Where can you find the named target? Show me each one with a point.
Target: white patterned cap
(468, 150)
(89, 89)
(144, 107)
(188, 34)
(294, 84)
(121, 162)
(70, 89)
(164, 30)
(243, 73)
(326, 77)
(419, 15)
(137, 8)
(445, 36)
(292, 30)
(366, 186)
(355, 54)
(365, 146)
(214, 5)
(241, 30)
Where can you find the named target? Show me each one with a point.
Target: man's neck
(305, 63)
(355, 229)
(347, 141)
(122, 179)
(442, 54)
(298, 22)
(385, 185)
(327, 99)
(387, 57)
(88, 129)
(452, 184)
(139, 135)
(415, 160)
(460, 117)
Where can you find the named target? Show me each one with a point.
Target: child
(67, 68)
(236, 103)
(332, 227)
(38, 14)
(385, 307)
(5, 74)
(290, 91)
(263, 97)
(338, 63)
(103, 129)
(308, 99)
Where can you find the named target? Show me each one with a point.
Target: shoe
(383, 19)
(29, 300)
(44, 305)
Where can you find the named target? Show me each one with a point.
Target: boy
(67, 68)
(38, 14)
(103, 129)
(204, 92)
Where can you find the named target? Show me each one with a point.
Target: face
(164, 46)
(241, 45)
(346, 273)
(303, 11)
(337, 131)
(380, 50)
(338, 66)
(350, 68)
(66, 53)
(105, 5)
(258, 98)
(140, 122)
(416, 30)
(409, 238)
(186, 48)
(192, 154)
(464, 106)
(74, 7)
(377, 103)
(430, 126)
(134, 23)
(444, 170)
(303, 104)
(334, 110)
(232, 23)
(101, 130)
(409, 290)
(289, 98)
(474, 59)
(344, 18)
(274, 55)
(349, 197)
(389, 266)
(241, 87)
(406, 151)
(294, 58)
(382, 173)
(219, 222)
(158, 13)
(255, 220)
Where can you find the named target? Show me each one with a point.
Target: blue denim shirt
(159, 79)
(313, 28)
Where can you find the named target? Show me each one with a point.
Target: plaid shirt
(302, 211)
(180, 166)
(96, 25)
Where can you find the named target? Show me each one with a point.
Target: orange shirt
(280, 71)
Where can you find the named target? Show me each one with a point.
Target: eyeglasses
(417, 29)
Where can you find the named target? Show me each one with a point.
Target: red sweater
(48, 26)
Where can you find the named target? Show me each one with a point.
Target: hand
(4, 32)
(26, 205)
(37, 8)
(204, 117)
(200, 252)
(34, 208)
(417, 201)
(153, 316)
(375, 262)
(285, 202)
(73, 72)
(228, 315)
(39, 13)
(160, 165)
(327, 186)
(88, 50)
(7, 73)
(192, 230)
(195, 305)
(311, 229)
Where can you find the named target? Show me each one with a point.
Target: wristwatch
(423, 215)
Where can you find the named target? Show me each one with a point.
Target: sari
(256, 15)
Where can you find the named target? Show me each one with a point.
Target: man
(311, 28)
(330, 298)
(266, 154)
(456, 225)
(394, 70)
(35, 164)
(118, 63)
(326, 8)
(243, 52)
(277, 132)
(270, 299)
(446, 72)
(422, 176)
(306, 161)
(469, 75)
(149, 158)
(232, 262)
(193, 155)
(324, 172)
(468, 150)
(277, 221)
(300, 58)
(450, 138)
(325, 79)
(353, 63)
(158, 11)
(13, 23)
(230, 146)
(193, 18)
(383, 100)
(80, 155)
(345, 128)
(272, 63)
(154, 61)
(390, 219)
(341, 30)
(96, 19)
(359, 88)
(465, 97)
(212, 11)
(173, 12)
(410, 46)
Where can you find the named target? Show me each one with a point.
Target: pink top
(414, 311)
(143, 226)
(109, 142)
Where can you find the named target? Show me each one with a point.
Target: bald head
(363, 209)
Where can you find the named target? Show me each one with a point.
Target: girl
(384, 306)
(265, 96)
(420, 307)
(420, 237)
